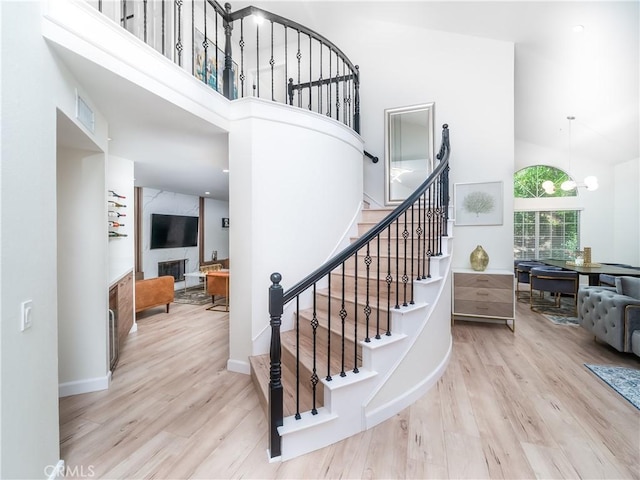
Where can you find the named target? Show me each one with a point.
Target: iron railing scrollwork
(277, 59)
(403, 244)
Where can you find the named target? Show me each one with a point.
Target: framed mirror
(409, 134)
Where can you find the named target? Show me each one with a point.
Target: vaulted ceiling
(592, 75)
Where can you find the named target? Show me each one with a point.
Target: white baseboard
(238, 366)
(84, 386)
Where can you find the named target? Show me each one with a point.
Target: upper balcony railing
(249, 52)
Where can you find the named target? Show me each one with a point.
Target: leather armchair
(613, 314)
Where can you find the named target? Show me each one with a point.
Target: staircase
(336, 408)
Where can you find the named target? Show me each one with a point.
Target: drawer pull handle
(482, 293)
(482, 308)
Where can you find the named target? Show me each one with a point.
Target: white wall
(121, 249)
(215, 236)
(28, 246)
(471, 82)
(82, 272)
(168, 203)
(289, 204)
(626, 213)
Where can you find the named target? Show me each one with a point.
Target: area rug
(565, 315)
(192, 296)
(625, 381)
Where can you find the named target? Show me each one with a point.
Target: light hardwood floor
(509, 406)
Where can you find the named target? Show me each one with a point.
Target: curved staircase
(343, 403)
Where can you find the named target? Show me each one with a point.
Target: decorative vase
(479, 259)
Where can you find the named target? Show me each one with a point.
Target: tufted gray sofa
(612, 314)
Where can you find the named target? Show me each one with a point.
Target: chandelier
(590, 182)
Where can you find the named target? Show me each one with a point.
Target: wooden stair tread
(260, 366)
(306, 356)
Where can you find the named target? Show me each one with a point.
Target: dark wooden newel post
(275, 378)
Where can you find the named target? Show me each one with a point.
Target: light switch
(26, 318)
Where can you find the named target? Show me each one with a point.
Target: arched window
(528, 182)
(548, 233)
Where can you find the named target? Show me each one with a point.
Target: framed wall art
(478, 203)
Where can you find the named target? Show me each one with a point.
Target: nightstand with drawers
(486, 295)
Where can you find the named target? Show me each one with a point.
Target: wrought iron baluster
(445, 182)
(241, 43)
(163, 23)
(205, 45)
(419, 234)
(438, 188)
(179, 46)
(227, 75)
(389, 278)
(338, 82)
(405, 278)
(310, 72)
(356, 111)
(144, 21)
(286, 54)
(272, 63)
(345, 85)
(193, 40)
(412, 257)
(355, 316)
(397, 263)
(329, 88)
(256, 87)
(216, 51)
(314, 374)
(429, 251)
(328, 377)
(299, 56)
(297, 415)
(320, 82)
(367, 307)
(343, 316)
(427, 232)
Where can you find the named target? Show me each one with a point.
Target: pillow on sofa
(628, 286)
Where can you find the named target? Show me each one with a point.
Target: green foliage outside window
(544, 234)
(550, 234)
(527, 183)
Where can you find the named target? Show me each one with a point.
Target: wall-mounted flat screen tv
(173, 231)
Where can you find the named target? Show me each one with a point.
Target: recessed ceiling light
(226, 170)
(578, 28)
(207, 193)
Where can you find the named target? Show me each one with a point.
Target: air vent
(84, 114)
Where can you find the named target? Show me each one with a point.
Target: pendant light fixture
(590, 182)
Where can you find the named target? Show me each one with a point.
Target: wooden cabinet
(125, 307)
(484, 295)
(120, 316)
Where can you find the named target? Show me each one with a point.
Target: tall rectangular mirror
(409, 134)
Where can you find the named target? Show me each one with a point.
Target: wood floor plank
(510, 405)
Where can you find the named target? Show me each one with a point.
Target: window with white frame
(540, 234)
(546, 234)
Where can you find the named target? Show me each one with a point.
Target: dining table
(593, 272)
